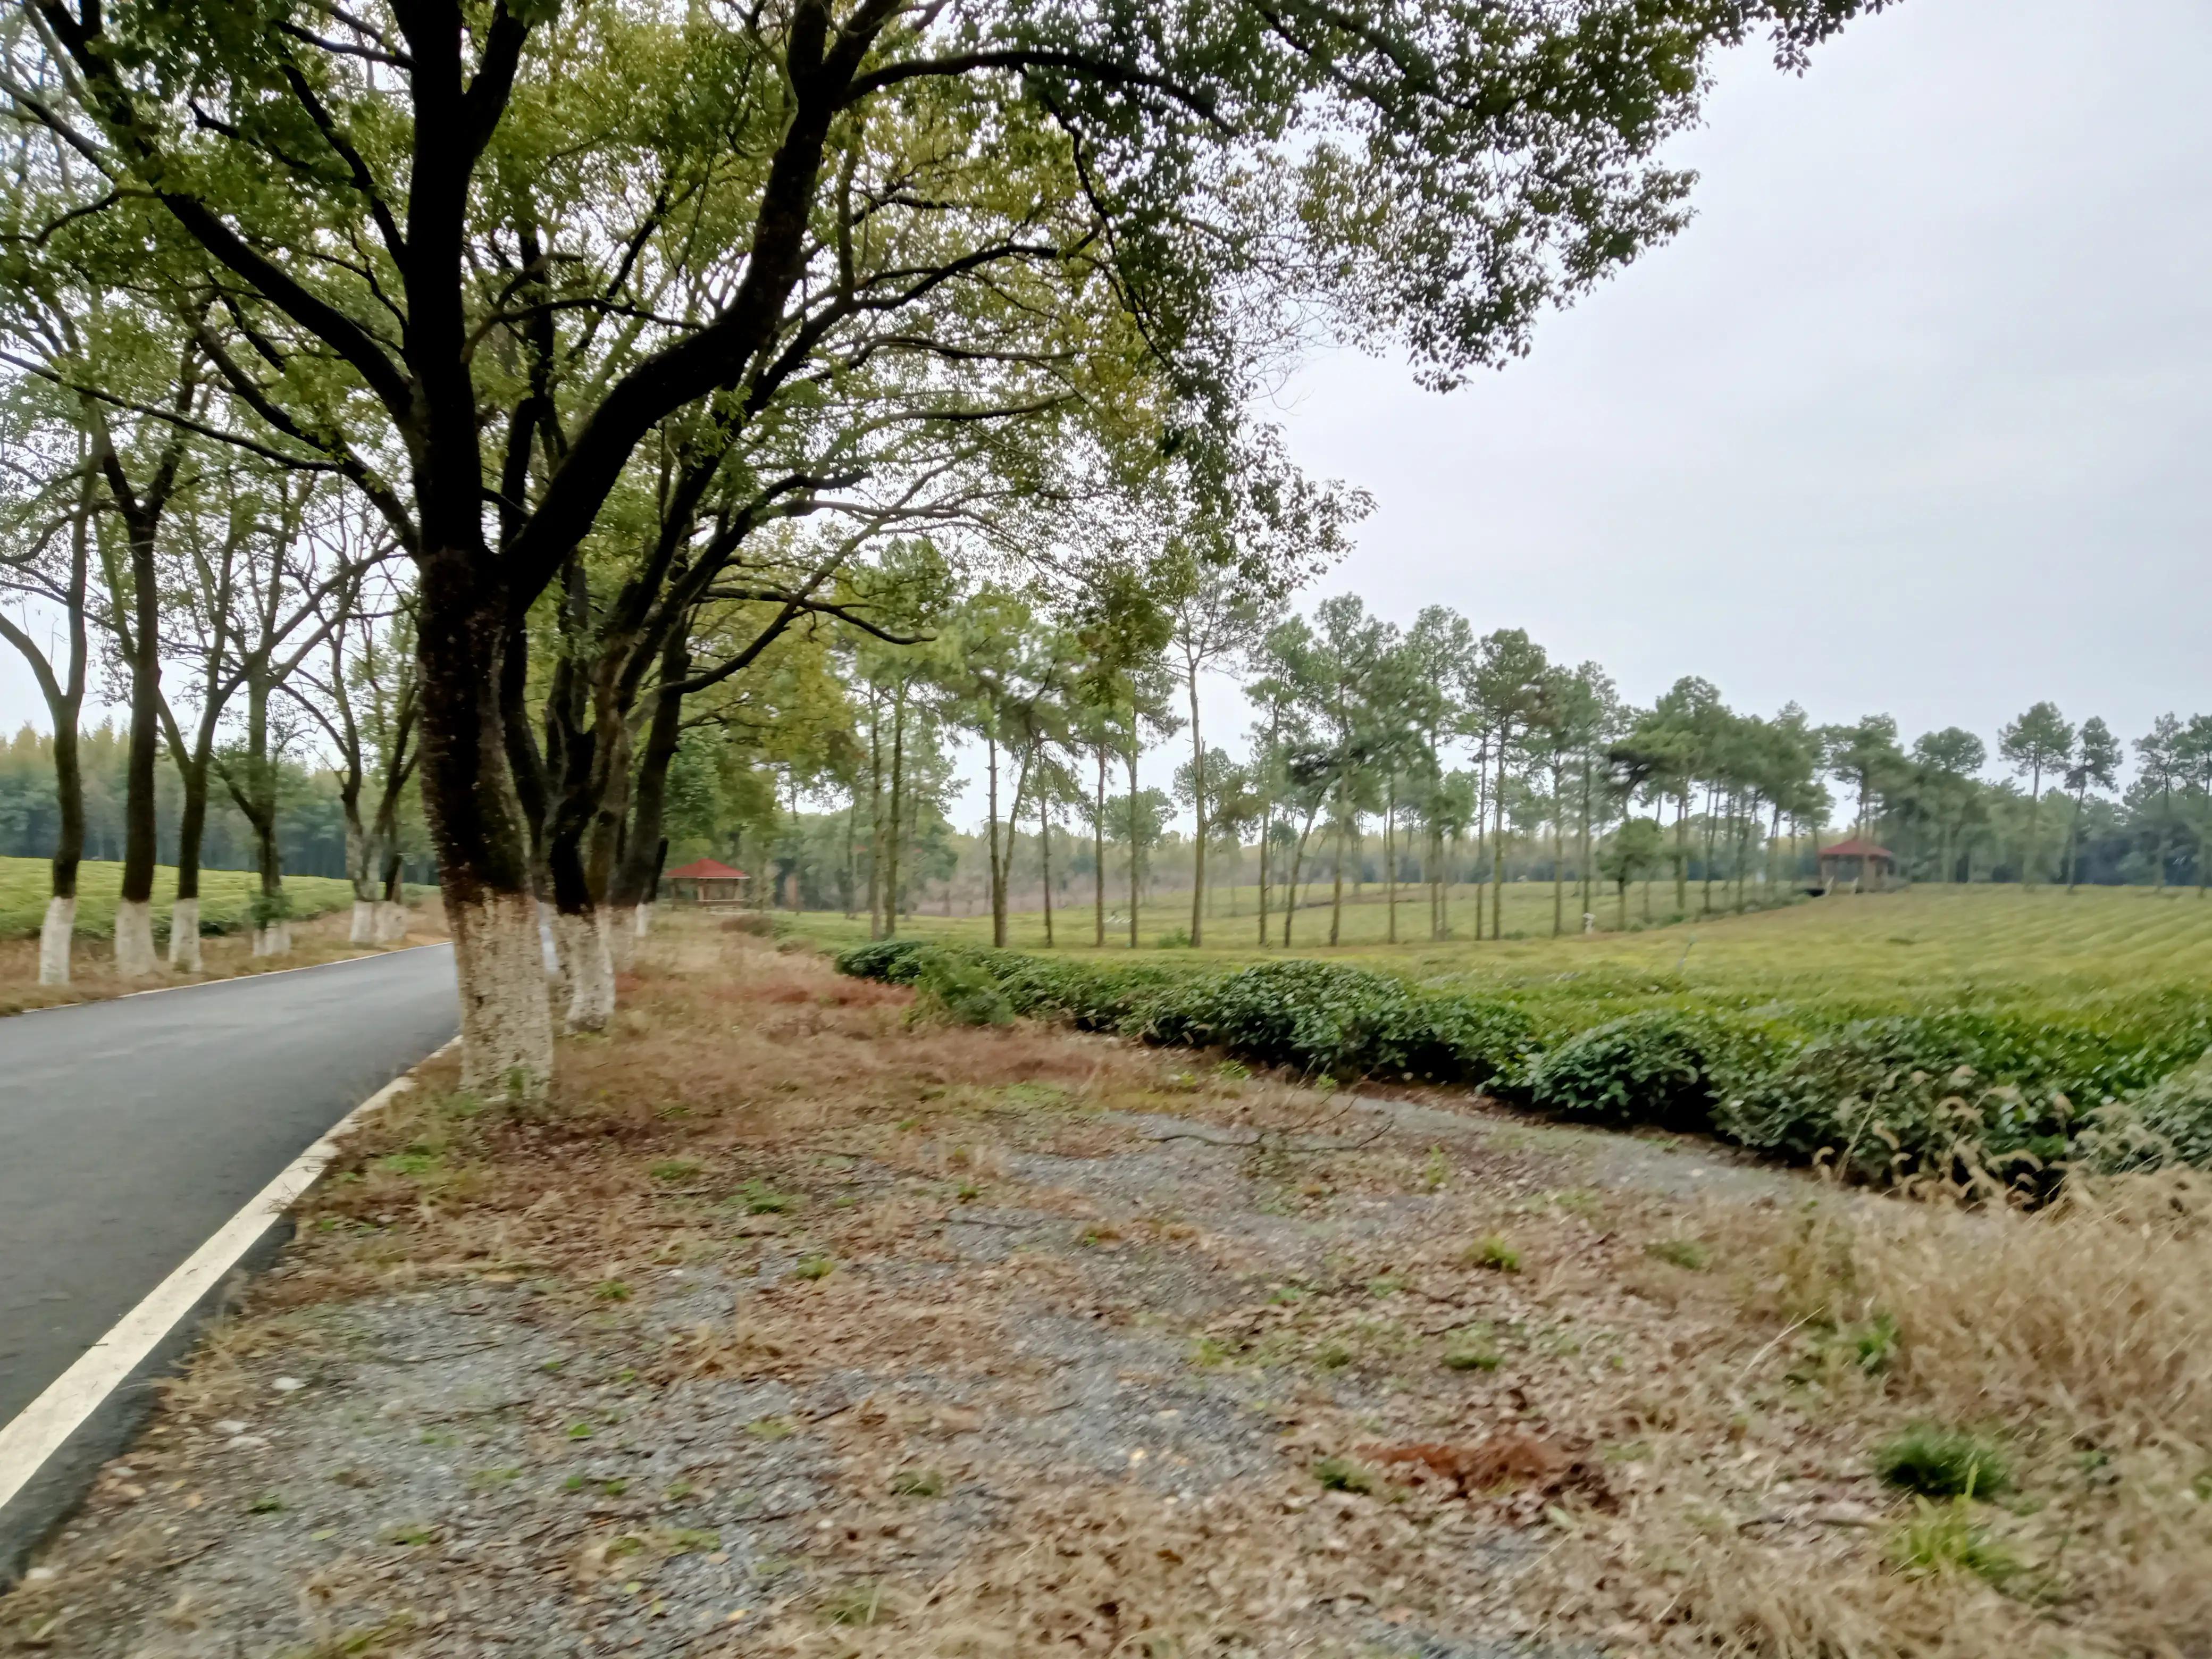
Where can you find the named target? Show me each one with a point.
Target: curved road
(130, 1130)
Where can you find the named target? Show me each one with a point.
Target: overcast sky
(1916, 415)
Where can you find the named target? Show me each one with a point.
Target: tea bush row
(2010, 1096)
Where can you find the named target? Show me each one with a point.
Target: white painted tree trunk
(391, 922)
(590, 969)
(274, 941)
(134, 939)
(645, 919)
(622, 936)
(54, 941)
(364, 922)
(185, 936)
(507, 1024)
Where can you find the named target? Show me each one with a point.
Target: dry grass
(1652, 1434)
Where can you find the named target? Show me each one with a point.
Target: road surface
(130, 1130)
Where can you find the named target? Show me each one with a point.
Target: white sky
(1917, 415)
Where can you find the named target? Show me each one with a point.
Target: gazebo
(703, 881)
(1865, 866)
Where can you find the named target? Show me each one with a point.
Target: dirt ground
(796, 1327)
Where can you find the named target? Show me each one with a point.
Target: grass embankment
(226, 896)
(1949, 1033)
(795, 1327)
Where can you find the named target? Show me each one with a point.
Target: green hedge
(2011, 1095)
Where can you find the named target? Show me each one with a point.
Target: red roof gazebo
(704, 881)
(1867, 866)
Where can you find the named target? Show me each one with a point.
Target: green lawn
(224, 896)
(1937, 943)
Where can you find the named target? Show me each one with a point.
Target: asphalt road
(130, 1130)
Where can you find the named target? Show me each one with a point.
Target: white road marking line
(42, 1426)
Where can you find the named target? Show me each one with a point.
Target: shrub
(1886, 1099)
(1939, 1462)
(1495, 1252)
(2170, 1123)
(892, 960)
(1658, 1067)
(958, 989)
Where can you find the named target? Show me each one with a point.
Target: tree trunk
(898, 785)
(996, 862)
(185, 956)
(59, 930)
(1136, 891)
(478, 826)
(1498, 850)
(1044, 855)
(1198, 797)
(134, 911)
(1098, 853)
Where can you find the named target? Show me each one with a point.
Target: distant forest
(310, 823)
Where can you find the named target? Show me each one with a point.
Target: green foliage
(1657, 1068)
(1496, 1252)
(2007, 1094)
(959, 990)
(1939, 1462)
(1342, 1475)
(1945, 1538)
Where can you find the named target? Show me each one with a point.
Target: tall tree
(2040, 741)
(515, 191)
(2095, 765)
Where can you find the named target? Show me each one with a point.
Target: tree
(1503, 696)
(1214, 611)
(1947, 761)
(1635, 849)
(2161, 753)
(2040, 741)
(2095, 765)
(49, 503)
(519, 204)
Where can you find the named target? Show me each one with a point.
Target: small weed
(580, 1432)
(1209, 1352)
(1472, 1349)
(855, 1604)
(1333, 1356)
(437, 1437)
(1341, 1474)
(814, 1266)
(674, 1169)
(268, 1503)
(1944, 1538)
(1939, 1462)
(1388, 1285)
(681, 1490)
(1283, 1296)
(419, 1159)
(410, 1532)
(1685, 1253)
(761, 1199)
(770, 1428)
(1873, 1345)
(612, 1290)
(968, 1192)
(918, 1483)
(1435, 1169)
(1232, 1070)
(487, 1478)
(1496, 1253)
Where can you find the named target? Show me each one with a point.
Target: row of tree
(529, 376)
(1414, 756)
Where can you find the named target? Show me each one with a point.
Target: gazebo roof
(706, 870)
(1857, 848)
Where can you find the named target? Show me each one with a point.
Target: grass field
(224, 896)
(1979, 942)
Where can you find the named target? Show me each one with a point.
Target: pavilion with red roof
(1865, 866)
(704, 881)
